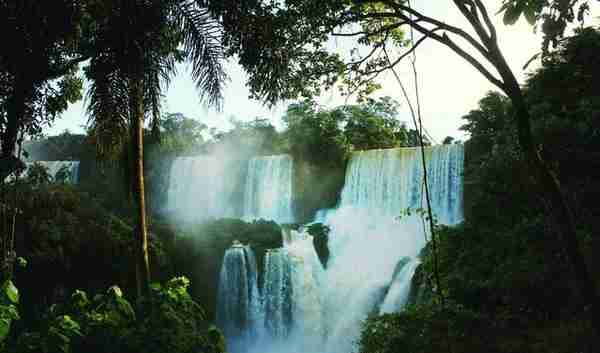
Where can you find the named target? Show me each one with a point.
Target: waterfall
(238, 301)
(208, 187)
(374, 241)
(371, 227)
(268, 191)
(200, 188)
(292, 311)
(397, 295)
(307, 303)
(59, 171)
(277, 289)
(391, 180)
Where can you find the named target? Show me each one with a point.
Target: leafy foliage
(321, 141)
(38, 67)
(169, 320)
(505, 269)
(65, 146)
(9, 299)
(70, 241)
(316, 135)
(552, 16)
(147, 55)
(246, 139)
(283, 45)
(325, 137)
(181, 135)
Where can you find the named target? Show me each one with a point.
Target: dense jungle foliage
(78, 237)
(507, 284)
(70, 245)
(505, 281)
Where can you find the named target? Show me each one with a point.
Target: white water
(369, 235)
(206, 187)
(391, 180)
(277, 292)
(268, 190)
(291, 316)
(397, 295)
(238, 301)
(198, 189)
(308, 326)
(315, 310)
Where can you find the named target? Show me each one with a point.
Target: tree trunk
(15, 117)
(137, 146)
(563, 217)
(549, 187)
(9, 162)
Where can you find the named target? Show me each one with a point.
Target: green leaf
(503, 8)
(21, 262)
(10, 292)
(530, 15)
(4, 328)
(8, 312)
(512, 14)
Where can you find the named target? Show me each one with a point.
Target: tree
(37, 81)
(297, 62)
(374, 124)
(137, 44)
(316, 135)
(180, 135)
(448, 140)
(552, 16)
(493, 115)
(246, 139)
(37, 67)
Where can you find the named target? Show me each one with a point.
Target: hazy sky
(449, 87)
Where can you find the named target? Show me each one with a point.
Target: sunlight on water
(373, 246)
(268, 189)
(198, 189)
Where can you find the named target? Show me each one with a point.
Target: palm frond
(157, 77)
(203, 47)
(107, 106)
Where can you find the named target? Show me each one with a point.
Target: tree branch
(401, 11)
(488, 21)
(401, 57)
(367, 33)
(444, 39)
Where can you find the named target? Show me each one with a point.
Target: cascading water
(208, 187)
(390, 180)
(199, 189)
(373, 244)
(291, 314)
(307, 279)
(238, 302)
(397, 295)
(268, 191)
(370, 227)
(277, 289)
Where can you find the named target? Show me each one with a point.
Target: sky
(449, 87)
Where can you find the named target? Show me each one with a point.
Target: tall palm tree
(138, 43)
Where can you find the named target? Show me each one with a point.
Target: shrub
(167, 320)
